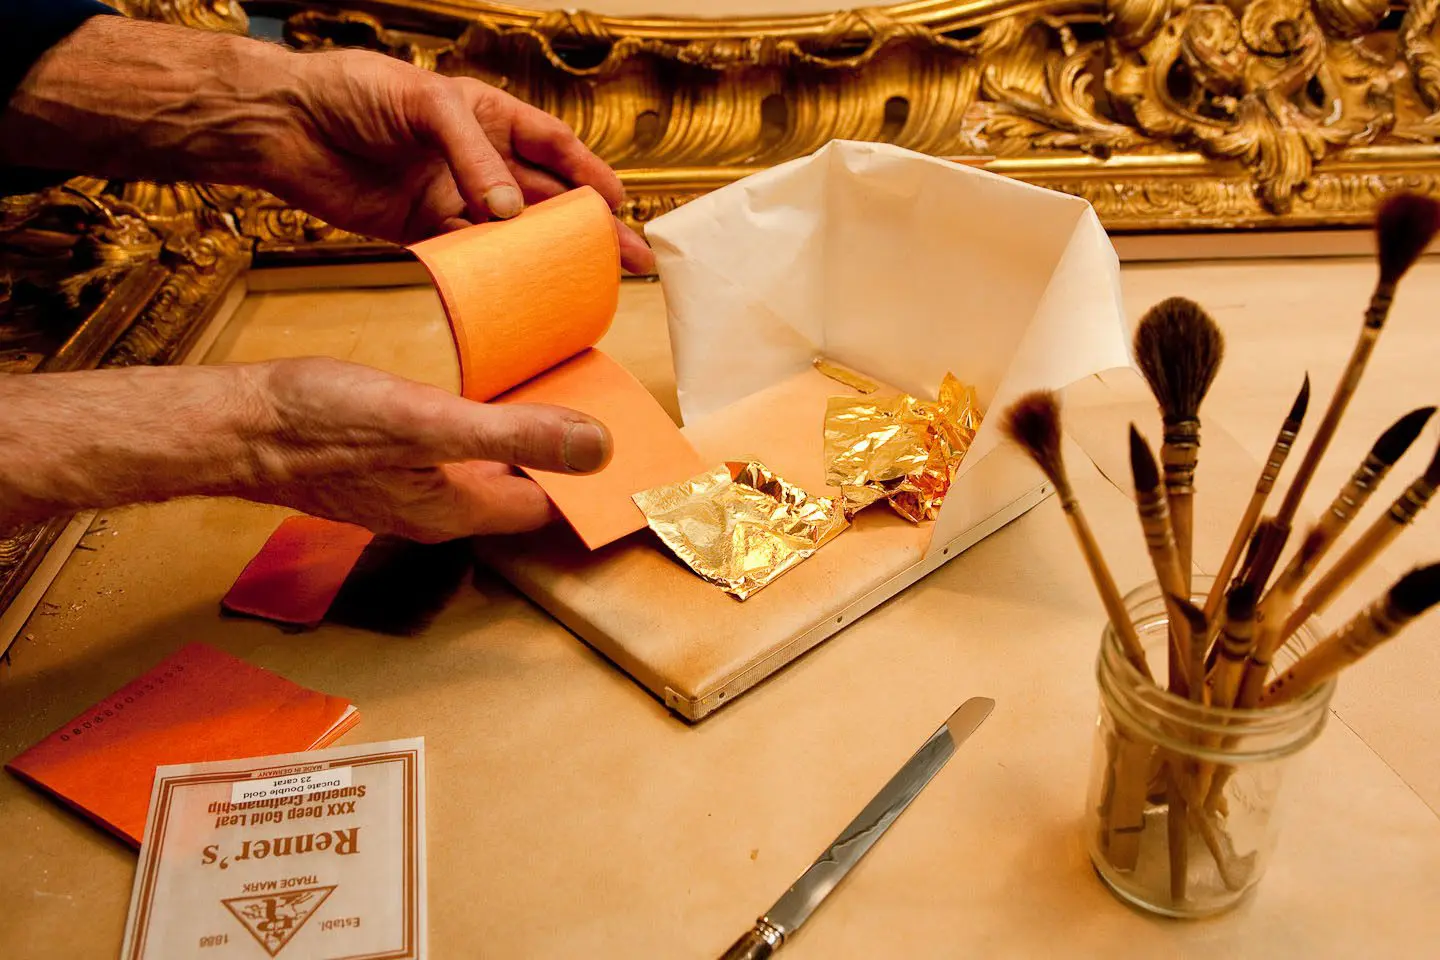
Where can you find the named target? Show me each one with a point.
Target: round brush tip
(1302, 402)
(1240, 602)
(1033, 421)
(1179, 348)
(1142, 463)
(1417, 591)
(1404, 226)
(1401, 434)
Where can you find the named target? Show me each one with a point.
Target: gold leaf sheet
(739, 525)
(899, 449)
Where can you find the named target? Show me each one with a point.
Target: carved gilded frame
(1166, 115)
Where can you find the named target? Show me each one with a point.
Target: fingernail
(587, 447)
(504, 202)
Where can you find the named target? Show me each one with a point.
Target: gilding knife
(782, 920)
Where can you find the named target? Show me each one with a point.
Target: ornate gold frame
(1164, 114)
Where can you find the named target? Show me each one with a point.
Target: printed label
(290, 785)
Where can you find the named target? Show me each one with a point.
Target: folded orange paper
(527, 300)
(298, 573)
(198, 705)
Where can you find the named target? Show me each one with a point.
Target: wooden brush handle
(1334, 521)
(1279, 453)
(1160, 541)
(1349, 381)
(1179, 453)
(1342, 574)
(1177, 827)
(1105, 584)
(1232, 558)
(1376, 538)
(1366, 630)
(1269, 619)
(1314, 668)
(1236, 642)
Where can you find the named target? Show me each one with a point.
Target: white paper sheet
(898, 264)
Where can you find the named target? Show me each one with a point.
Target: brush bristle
(1192, 614)
(1033, 421)
(1404, 226)
(1432, 472)
(1179, 349)
(1417, 591)
(1240, 603)
(1315, 541)
(1142, 463)
(1302, 403)
(1397, 439)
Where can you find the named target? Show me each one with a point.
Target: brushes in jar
(1179, 349)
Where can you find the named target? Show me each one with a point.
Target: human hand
(387, 149)
(337, 440)
(351, 443)
(366, 142)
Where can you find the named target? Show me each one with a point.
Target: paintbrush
(1404, 226)
(1236, 639)
(1379, 535)
(1351, 499)
(1411, 596)
(1271, 616)
(1284, 441)
(1179, 349)
(1159, 538)
(1033, 421)
(1278, 602)
(1263, 534)
(1182, 772)
(1263, 644)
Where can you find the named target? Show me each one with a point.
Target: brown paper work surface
(571, 815)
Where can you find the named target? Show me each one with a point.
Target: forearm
(135, 99)
(74, 441)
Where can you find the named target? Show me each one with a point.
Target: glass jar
(1217, 770)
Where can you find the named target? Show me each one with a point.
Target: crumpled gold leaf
(899, 449)
(739, 525)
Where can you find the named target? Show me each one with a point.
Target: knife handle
(758, 943)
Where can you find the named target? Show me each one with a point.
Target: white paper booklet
(307, 856)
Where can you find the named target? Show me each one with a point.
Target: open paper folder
(898, 265)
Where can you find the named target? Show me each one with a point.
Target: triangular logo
(272, 919)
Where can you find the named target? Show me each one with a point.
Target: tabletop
(571, 815)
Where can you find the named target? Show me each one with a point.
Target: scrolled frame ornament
(1165, 114)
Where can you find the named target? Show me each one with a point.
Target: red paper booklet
(200, 704)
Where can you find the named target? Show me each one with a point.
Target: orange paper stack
(527, 300)
(198, 705)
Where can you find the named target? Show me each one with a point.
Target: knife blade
(792, 910)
